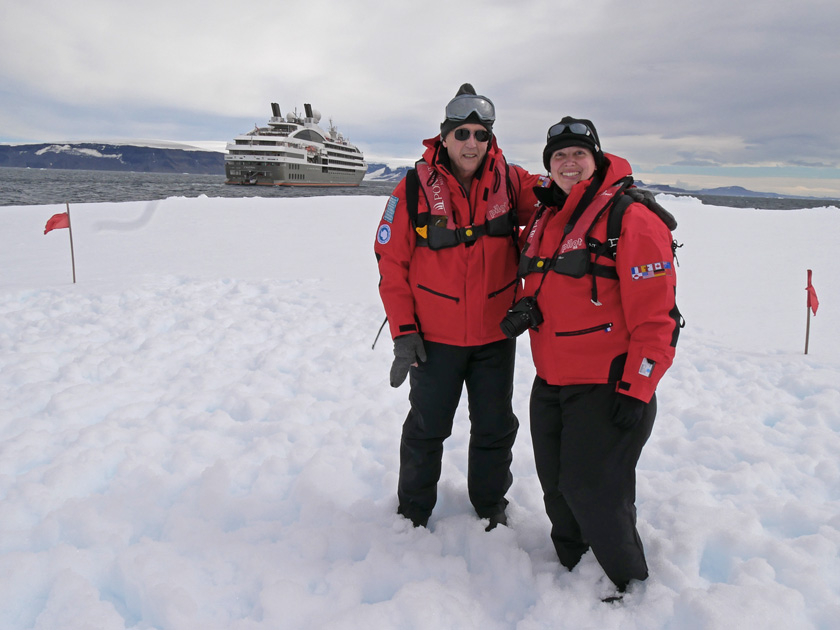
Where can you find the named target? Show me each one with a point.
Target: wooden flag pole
(73, 256)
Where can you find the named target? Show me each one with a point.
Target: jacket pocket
(504, 288)
(585, 331)
(439, 294)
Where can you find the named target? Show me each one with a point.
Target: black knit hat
(572, 132)
(483, 112)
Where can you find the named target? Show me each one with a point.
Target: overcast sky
(716, 92)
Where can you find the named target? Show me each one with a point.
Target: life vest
(435, 226)
(573, 255)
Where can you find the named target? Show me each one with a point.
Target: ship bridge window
(308, 134)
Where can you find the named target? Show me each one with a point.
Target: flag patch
(652, 270)
(390, 209)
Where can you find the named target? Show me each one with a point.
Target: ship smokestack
(275, 110)
(308, 108)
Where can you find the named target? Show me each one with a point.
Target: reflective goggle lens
(579, 129)
(462, 106)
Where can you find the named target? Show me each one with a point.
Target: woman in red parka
(608, 334)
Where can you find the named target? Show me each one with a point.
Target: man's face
(466, 155)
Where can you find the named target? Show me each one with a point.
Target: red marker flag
(813, 302)
(57, 221)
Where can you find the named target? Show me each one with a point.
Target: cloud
(680, 83)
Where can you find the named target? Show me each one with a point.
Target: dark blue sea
(30, 186)
(26, 186)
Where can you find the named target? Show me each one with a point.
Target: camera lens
(514, 324)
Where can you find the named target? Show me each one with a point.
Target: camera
(521, 316)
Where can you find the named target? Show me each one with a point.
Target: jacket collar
(616, 168)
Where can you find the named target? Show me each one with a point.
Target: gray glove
(408, 350)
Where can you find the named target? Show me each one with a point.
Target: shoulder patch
(384, 234)
(545, 181)
(652, 270)
(390, 209)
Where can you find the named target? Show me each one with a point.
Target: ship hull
(289, 174)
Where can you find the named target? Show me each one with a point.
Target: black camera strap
(545, 275)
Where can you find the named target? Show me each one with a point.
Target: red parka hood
(616, 168)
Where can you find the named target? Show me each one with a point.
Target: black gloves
(627, 411)
(408, 350)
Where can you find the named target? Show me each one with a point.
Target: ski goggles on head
(577, 128)
(460, 107)
(462, 134)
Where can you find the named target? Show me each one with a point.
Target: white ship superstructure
(294, 151)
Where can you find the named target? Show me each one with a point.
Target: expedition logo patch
(384, 234)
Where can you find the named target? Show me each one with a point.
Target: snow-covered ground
(197, 435)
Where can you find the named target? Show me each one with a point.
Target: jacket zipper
(443, 295)
(585, 331)
(503, 289)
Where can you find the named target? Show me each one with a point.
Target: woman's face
(571, 165)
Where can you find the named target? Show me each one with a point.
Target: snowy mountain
(148, 157)
(162, 158)
(723, 191)
(384, 173)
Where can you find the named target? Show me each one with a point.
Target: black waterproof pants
(436, 386)
(587, 469)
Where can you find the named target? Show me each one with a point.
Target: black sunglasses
(579, 129)
(481, 135)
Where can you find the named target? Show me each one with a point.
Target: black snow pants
(436, 386)
(587, 469)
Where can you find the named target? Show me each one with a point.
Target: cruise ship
(294, 151)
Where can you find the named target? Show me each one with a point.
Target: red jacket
(630, 337)
(457, 295)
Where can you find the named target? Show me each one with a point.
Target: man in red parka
(447, 254)
(609, 333)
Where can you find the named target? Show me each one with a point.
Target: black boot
(616, 597)
(499, 518)
(416, 519)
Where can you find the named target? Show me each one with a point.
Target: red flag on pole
(813, 302)
(57, 221)
(62, 220)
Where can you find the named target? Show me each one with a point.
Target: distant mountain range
(113, 157)
(724, 191)
(381, 172)
(161, 157)
(384, 173)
